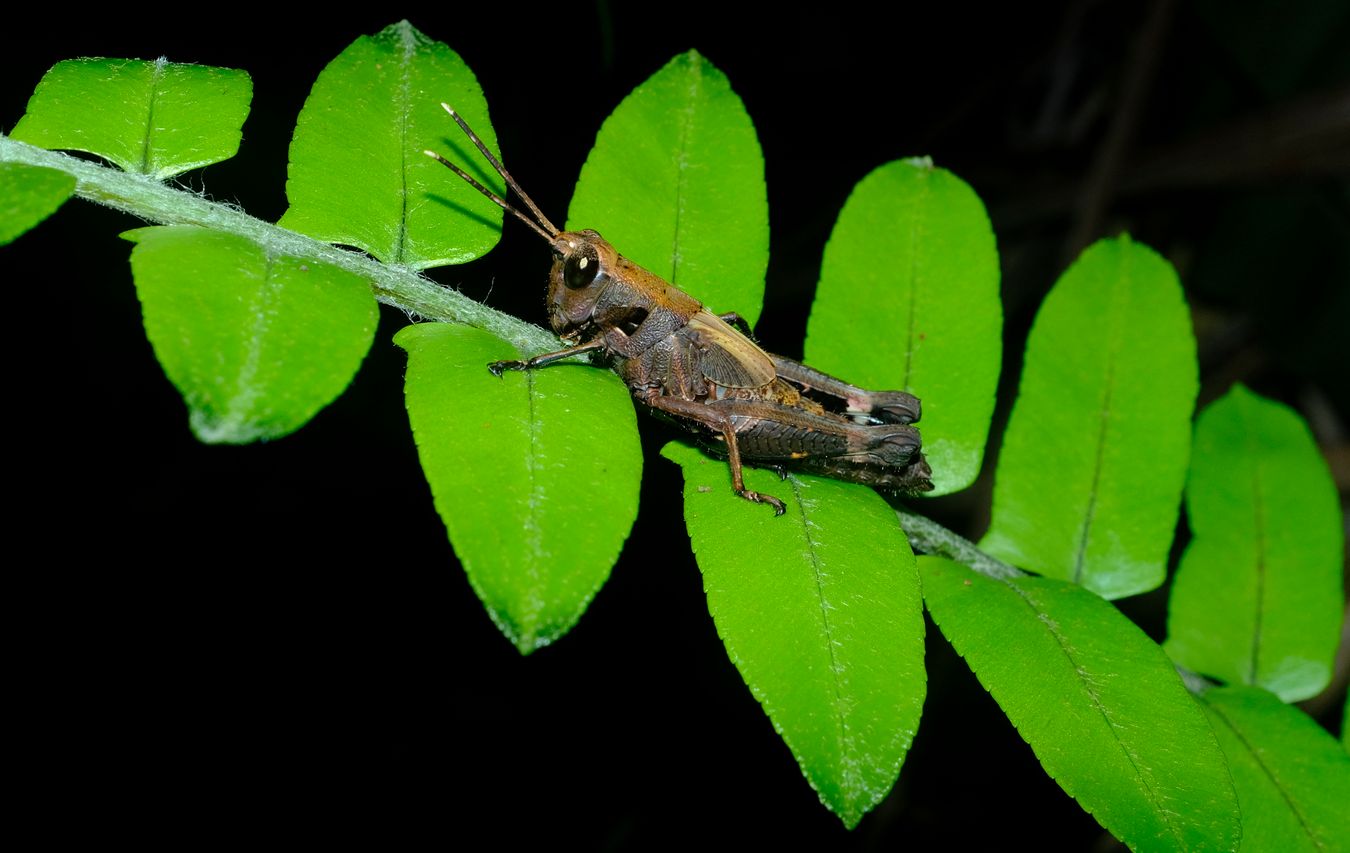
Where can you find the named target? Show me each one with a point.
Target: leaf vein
(1090, 512)
(836, 668)
(914, 242)
(533, 537)
(1259, 530)
(1274, 780)
(1087, 681)
(681, 170)
(1115, 317)
(238, 412)
(409, 45)
(156, 76)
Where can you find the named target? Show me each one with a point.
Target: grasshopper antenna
(490, 194)
(552, 231)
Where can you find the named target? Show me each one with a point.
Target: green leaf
(820, 611)
(1097, 700)
(1094, 458)
(1257, 599)
(256, 344)
(1292, 778)
(535, 474)
(150, 118)
(28, 195)
(358, 175)
(908, 300)
(676, 183)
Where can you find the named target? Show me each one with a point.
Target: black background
(276, 641)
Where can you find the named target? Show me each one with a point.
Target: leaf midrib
(409, 46)
(1115, 315)
(682, 166)
(920, 208)
(1045, 619)
(535, 602)
(1259, 533)
(846, 745)
(1269, 775)
(156, 75)
(239, 410)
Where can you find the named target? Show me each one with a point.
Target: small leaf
(150, 118)
(1292, 778)
(535, 474)
(1257, 599)
(820, 611)
(676, 183)
(256, 345)
(28, 195)
(358, 175)
(1097, 700)
(1094, 458)
(908, 300)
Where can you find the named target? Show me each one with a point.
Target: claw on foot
(497, 367)
(778, 508)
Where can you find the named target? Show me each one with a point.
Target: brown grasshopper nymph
(691, 366)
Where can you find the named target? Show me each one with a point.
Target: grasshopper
(696, 368)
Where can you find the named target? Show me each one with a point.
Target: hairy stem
(932, 538)
(156, 202)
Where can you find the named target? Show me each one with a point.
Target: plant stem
(1194, 682)
(400, 287)
(932, 538)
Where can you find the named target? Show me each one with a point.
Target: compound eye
(581, 267)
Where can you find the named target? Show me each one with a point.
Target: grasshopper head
(584, 264)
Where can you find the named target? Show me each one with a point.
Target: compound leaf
(358, 175)
(820, 611)
(535, 474)
(1089, 479)
(1099, 703)
(256, 344)
(1257, 599)
(151, 118)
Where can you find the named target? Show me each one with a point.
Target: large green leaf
(1098, 701)
(256, 344)
(1090, 475)
(908, 300)
(820, 611)
(676, 182)
(152, 118)
(535, 474)
(1257, 599)
(358, 174)
(1292, 778)
(28, 195)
